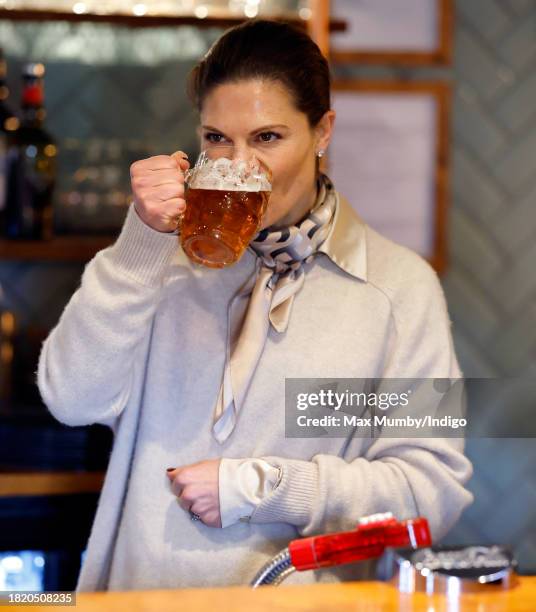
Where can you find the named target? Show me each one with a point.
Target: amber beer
(218, 225)
(226, 199)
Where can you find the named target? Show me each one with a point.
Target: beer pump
(374, 533)
(408, 560)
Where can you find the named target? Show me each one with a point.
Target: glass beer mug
(226, 198)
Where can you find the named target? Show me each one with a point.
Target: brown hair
(270, 50)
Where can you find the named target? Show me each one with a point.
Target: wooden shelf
(222, 20)
(14, 484)
(61, 248)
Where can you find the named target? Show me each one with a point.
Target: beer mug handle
(187, 176)
(178, 219)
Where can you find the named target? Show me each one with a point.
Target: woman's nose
(217, 151)
(242, 152)
(231, 151)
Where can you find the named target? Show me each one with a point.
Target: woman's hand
(196, 486)
(158, 189)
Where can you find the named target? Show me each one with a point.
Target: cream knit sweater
(140, 348)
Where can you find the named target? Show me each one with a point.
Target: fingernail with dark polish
(170, 469)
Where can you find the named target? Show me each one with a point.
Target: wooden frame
(318, 26)
(441, 93)
(441, 55)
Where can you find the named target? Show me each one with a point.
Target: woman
(148, 341)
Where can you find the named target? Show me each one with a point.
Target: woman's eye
(267, 136)
(213, 137)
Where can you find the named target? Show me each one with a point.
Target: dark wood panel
(30, 442)
(46, 523)
(60, 248)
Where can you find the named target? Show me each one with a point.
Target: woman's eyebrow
(270, 127)
(260, 129)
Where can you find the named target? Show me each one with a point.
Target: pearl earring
(320, 153)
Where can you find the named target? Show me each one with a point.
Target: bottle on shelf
(31, 165)
(7, 332)
(8, 121)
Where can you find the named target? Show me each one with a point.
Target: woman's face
(259, 117)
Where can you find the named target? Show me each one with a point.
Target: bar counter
(345, 596)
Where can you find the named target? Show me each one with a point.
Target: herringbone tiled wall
(491, 282)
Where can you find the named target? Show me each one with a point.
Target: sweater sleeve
(407, 476)
(85, 367)
(243, 483)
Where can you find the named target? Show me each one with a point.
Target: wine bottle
(31, 165)
(8, 122)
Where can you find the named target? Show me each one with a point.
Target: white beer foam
(227, 175)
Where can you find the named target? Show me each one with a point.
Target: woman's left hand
(196, 487)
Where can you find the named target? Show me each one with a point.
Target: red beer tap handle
(372, 536)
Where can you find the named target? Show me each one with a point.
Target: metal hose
(275, 571)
